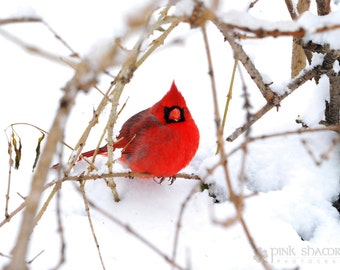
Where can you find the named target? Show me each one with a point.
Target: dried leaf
(37, 150)
(17, 150)
(298, 54)
(10, 151)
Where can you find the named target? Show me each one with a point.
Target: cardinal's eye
(173, 114)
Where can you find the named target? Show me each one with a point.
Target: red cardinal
(160, 140)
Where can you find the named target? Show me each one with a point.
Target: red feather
(160, 140)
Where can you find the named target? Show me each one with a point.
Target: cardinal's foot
(159, 180)
(171, 180)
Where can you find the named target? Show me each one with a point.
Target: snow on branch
(306, 24)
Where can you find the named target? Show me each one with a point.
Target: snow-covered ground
(291, 218)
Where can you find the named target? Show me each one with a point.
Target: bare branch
(87, 209)
(263, 33)
(293, 85)
(10, 164)
(19, 20)
(35, 257)
(323, 6)
(291, 9)
(325, 155)
(180, 218)
(60, 231)
(12, 214)
(30, 48)
(241, 55)
(285, 133)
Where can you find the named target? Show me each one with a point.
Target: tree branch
(293, 85)
(242, 56)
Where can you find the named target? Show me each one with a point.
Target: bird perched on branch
(160, 140)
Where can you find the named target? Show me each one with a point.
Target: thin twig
(19, 20)
(325, 155)
(229, 97)
(31, 48)
(133, 232)
(180, 218)
(56, 188)
(237, 200)
(12, 214)
(28, 262)
(129, 175)
(60, 229)
(58, 37)
(258, 254)
(6, 256)
(284, 133)
(10, 164)
(87, 209)
(263, 33)
(219, 134)
(35, 257)
(36, 127)
(252, 4)
(247, 106)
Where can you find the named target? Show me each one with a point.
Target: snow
(244, 19)
(294, 194)
(336, 66)
(184, 8)
(312, 22)
(317, 103)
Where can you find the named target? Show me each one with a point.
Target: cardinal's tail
(101, 151)
(88, 154)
